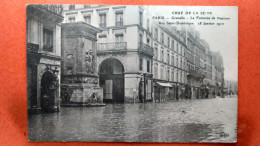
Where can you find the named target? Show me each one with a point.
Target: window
(156, 70)
(119, 38)
(140, 38)
(47, 40)
(156, 34)
(177, 62)
(181, 64)
(156, 52)
(168, 75)
(162, 72)
(71, 7)
(102, 39)
(177, 48)
(172, 44)
(172, 76)
(148, 25)
(162, 54)
(102, 19)
(162, 38)
(168, 58)
(141, 18)
(140, 64)
(177, 77)
(87, 19)
(71, 19)
(148, 66)
(172, 60)
(168, 42)
(148, 41)
(119, 18)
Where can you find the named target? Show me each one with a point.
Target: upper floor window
(156, 34)
(140, 64)
(47, 40)
(71, 19)
(141, 18)
(119, 38)
(140, 38)
(148, 66)
(168, 42)
(156, 71)
(87, 19)
(168, 75)
(172, 45)
(172, 59)
(162, 54)
(162, 38)
(102, 20)
(102, 39)
(148, 25)
(177, 48)
(156, 52)
(71, 7)
(168, 58)
(119, 18)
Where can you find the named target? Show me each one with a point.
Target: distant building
(218, 72)
(43, 40)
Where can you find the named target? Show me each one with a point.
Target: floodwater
(198, 120)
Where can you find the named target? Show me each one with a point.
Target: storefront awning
(164, 84)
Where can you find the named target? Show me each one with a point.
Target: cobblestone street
(200, 120)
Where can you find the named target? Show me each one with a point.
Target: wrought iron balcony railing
(112, 47)
(144, 48)
(32, 47)
(57, 9)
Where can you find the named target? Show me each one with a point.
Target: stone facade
(43, 57)
(80, 81)
(159, 62)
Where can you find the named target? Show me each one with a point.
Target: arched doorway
(48, 92)
(111, 79)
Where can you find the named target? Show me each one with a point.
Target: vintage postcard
(123, 73)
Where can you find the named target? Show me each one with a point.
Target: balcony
(57, 9)
(146, 49)
(196, 74)
(111, 47)
(32, 47)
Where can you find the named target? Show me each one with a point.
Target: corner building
(124, 52)
(43, 47)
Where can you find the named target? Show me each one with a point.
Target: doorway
(47, 92)
(111, 73)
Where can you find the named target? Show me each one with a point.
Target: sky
(222, 38)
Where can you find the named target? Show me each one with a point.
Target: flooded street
(198, 120)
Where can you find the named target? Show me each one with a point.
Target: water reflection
(182, 121)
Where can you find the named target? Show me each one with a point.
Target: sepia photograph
(129, 73)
